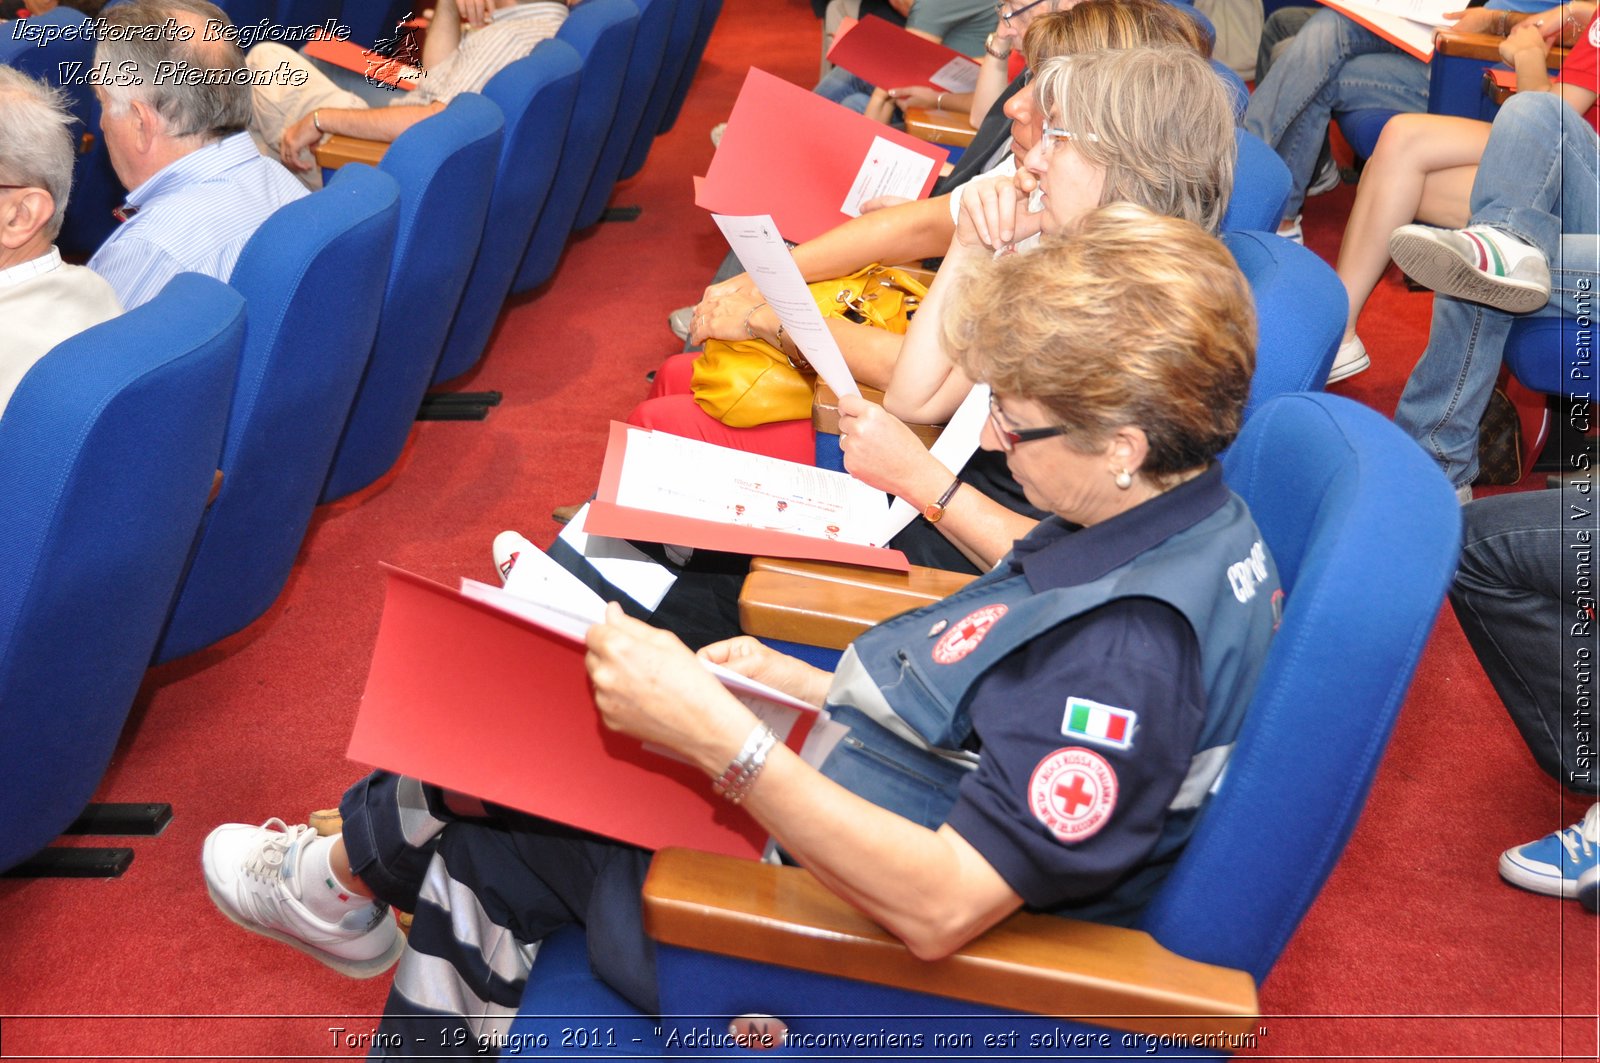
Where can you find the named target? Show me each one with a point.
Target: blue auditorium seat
(1260, 187)
(107, 453)
(639, 84)
(709, 10)
(445, 167)
(312, 278)
(680, 39)
(535, 94)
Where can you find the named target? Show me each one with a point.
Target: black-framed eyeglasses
(1007, 16)
(1009, 437)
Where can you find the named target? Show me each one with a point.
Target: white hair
(36, 139)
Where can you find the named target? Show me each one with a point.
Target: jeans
(1331, 65)
(1524, 595)
(1537, 181)
(843, 87)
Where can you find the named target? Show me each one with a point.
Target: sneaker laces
(266, 863)
(1585, 834)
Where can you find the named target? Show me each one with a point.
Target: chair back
(107, 453)
(1365, 532)
(445, 167)
(312, 278)
(601, 32)
(1301, 306)
(706, 22)
(535, 94)
(639, 84)
(1552, 354)
(1260, 187)
(674, 58)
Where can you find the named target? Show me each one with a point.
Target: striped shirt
(194, 215)
(512, 33)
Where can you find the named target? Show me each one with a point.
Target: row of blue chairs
(344, 308)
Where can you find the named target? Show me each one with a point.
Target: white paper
(543, 613)
(619, 562)
(762, 253)
(1397, 29)
(537, 577)
(888, 170)
(960, 74)
(1426, 12)
(955, 445)
(688, 478)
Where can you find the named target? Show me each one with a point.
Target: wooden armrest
(824, 604)
(1495, 87)
(216, 486)
(940, 127)
(337, 150)
(825, 412)
(1105, 975)
(1484, 46)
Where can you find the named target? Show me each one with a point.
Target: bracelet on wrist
(749, 332)
(316, 124)
(736, 779)
(988, 49)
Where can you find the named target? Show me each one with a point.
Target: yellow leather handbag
(744, 383)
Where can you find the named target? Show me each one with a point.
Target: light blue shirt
(194, 215)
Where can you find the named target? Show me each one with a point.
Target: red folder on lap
(883, 54)
(465, 696)
(794, 155)
(353, 57)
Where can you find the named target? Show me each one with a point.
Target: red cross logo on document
(962, 637)
(1073, 793)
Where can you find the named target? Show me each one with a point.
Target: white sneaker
(681, 320)
(1480, 263)
(1464, 494)
(508, 546)
(1291, 230)
(1326, 179)
(716, 134)
(250, 874)
(1351, 359)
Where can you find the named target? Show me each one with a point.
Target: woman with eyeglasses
(1047, 737)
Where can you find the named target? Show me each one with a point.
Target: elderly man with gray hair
(42, 301)
(175, 112)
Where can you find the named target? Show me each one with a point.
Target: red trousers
(671, 408)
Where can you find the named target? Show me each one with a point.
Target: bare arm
(376, 123)
(929, 888)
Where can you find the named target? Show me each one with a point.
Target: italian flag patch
(1101, 724)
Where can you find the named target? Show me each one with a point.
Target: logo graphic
(1073, 793)
(965, 634)
(1104, 725)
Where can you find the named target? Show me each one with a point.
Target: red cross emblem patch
(962, 637)
(1073, 793)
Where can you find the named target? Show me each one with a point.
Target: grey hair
(212, 108)
(36, 139)
(1164, 123)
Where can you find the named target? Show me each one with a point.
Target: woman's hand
(1474, 20)
(723, 311)
(753, 659)
(647, 684)
(880, 451)
(1528, 38)
(916, 96)
(994, 212)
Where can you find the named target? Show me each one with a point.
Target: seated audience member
(1422, 170)
(1531, 248)
(1334, 65)
(735, 309)
(42, 301)
(1112, 421)
(468, 42)
(197, 187)
(957, 24)
(1517, 594)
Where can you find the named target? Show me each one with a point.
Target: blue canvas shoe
(1554, 864)
(1589, 889)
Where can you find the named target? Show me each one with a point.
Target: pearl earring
(1124, 479)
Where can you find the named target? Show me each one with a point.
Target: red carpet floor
(1415, 949)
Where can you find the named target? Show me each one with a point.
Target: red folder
(794, 155)
(888, 56)
(1402, 33)
(624, 522)
(467, 697)
(352, 56)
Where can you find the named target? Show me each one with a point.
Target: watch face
(932, 512)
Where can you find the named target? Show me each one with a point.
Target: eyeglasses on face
(1007, 12)
(1049, 137)
(1009, 437)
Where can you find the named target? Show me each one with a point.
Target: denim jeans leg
(1450, 386)
(1538, 176)
(1292, 104)
(1516, 595)
(843, 87)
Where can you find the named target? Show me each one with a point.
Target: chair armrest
(1106, 975)
(216, 486)
(823, 604)
(1482, 46)
(337, 150)
(825, 412)
(940, 127)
